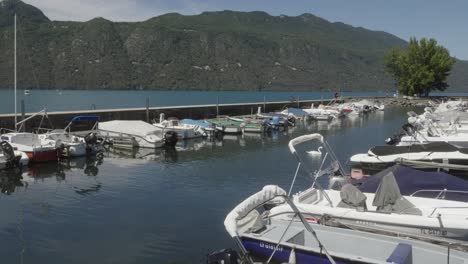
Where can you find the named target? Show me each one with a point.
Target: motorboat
(323, 114)
(441, 154)
(232, 125)
(207, 127)
(297, 113)
(135, 133)
(183, 130)
(386, 209)
(317, 225)
(414, 182)
(276, 119)
(261, 231)
(225, 125)
(31, 144)
(70, 145)
(250, 125)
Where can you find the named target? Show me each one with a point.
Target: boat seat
(352, 197)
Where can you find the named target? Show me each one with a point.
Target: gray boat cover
(352, 197)
(389, 199)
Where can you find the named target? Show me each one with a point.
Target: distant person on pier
(337, 95)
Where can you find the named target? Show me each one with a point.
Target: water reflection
(158, 206)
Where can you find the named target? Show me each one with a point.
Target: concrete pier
(61, 118)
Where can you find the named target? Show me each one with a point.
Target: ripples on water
(157, 207)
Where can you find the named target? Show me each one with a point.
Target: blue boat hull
(262, 249)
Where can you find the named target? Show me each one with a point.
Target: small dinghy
(183, 130)
(70, 145)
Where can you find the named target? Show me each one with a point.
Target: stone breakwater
(408, 101)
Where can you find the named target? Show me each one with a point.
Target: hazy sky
(446, 21)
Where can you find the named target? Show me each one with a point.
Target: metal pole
(23, 115)
(298, 100)
(264, 103)
(16, 117)
(217, 105)
(147, 109)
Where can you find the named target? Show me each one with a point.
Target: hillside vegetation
(224, 50)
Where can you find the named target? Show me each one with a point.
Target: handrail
(438, 190)
(443, 207)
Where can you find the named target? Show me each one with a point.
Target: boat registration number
(270, 246)
(433, 231)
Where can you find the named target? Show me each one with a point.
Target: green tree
(422, 68)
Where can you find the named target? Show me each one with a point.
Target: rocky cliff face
(214, 50)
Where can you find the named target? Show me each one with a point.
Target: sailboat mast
(16, 115)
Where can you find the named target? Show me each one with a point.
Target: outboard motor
(224, 256)
(408, 128)
(393, 140)
(91, 138)
(12, 160)
(292, 120)
(170, 138)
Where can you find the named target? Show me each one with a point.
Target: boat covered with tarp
(413, 182)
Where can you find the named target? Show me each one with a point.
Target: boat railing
(250, 204)
(6, 130)
(440, 192)
(435, 208)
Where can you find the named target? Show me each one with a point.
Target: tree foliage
(422, 68)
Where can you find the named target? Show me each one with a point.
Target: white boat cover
(132, 127)
(241, 210)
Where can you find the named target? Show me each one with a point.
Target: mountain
(224, 50)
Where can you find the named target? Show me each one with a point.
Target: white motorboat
(29, 143)
(184, 131)
(321, 114)
(385, 210)
(429, 127)
(132, 133)
(290, 236)
(67, 144)
(436, 152)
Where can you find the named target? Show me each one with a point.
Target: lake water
(64, 100)
(163, 207)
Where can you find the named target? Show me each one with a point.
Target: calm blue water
(158, 207)
(64, 100)
(99, 99)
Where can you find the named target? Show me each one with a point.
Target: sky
(446, 21)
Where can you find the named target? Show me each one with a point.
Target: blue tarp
(411, 180)
(297, 111)
(194, 122)
(84, 118)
